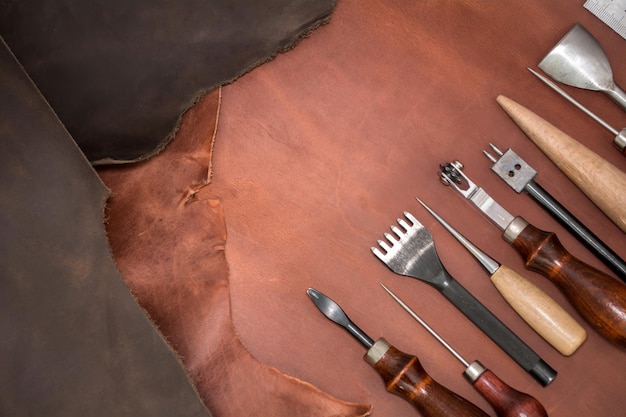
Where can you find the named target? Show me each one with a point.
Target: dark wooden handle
(403, 375)
(599, 298)
(506, 401)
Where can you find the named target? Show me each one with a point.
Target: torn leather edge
(203, 91)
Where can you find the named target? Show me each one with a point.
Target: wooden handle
(601, 181)
(403, 375)
(506, 401)
(540, 311)
(599, 298)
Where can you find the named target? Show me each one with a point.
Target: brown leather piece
(120, 74)
(168, 240)
(73, 341)
(319, 151)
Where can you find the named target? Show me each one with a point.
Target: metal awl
(507, 401)
(620, 137)
(598, 297)
(536, 307)
(519, 175)
(402, 373)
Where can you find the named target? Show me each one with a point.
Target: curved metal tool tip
(328, 307)
(332, 310)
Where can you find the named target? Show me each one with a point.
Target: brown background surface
(319, 151)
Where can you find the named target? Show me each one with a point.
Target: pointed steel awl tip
(490, 264)
(498, 152)
(425, 325)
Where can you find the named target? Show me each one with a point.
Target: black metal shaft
(579, 230)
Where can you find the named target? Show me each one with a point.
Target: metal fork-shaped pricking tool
(520, 176)
(411, 252)
(599, 298)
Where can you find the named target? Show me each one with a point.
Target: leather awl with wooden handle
(602, 182)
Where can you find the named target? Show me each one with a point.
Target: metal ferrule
(514, 229)
(377, 351)
(474, 371)
(620, 140)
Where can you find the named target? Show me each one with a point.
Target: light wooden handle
(601, 181)
(540, 311)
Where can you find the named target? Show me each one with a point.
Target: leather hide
(168, 240)
(120, 74)
(320, 151)
(73, 341)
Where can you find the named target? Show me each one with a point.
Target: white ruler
(611, 12)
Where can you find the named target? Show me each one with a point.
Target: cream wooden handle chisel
(602, 182)
(537, 308)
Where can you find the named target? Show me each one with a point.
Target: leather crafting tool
(579, 60)
(602, 182)
(620, 137)
(533, 305)
(598, 297)
(402, 373)
(506, 401)
(521, 177)
(411, 252)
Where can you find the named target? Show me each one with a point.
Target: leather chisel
(598, 297)
(537, 308)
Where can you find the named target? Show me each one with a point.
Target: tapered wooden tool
(602, 182)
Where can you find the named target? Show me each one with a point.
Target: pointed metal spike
(404, 224)
(491, 158)
(378, 253)
(412, 219)
(397, 231)
(496, 150)
(390, 238)
(384, 245)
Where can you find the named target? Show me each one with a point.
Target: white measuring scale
(611, 12)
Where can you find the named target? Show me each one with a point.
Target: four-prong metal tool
(520, 176)
(620, 137)
(506, 401)
(411, 252)
(598, 297)
(536, 307)
(402, 373)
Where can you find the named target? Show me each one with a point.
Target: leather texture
(73, 341)
(319, 151)
(169, 244)
(119, 74)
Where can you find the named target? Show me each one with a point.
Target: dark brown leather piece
(73, 341)
(119, 74)
(319, 151)
(168, 240)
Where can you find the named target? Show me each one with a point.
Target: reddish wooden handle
(506, 401)
(599, 298)
(403, 375)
